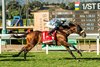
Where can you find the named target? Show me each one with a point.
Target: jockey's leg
(50, 32)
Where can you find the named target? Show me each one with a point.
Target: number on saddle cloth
(47, 38)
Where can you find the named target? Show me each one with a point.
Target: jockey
(55, 24)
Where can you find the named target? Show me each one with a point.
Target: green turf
(53, 59)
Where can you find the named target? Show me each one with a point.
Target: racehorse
(35, 37)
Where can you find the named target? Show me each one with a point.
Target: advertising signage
(90, 6)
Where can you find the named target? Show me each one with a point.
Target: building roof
(40, 11)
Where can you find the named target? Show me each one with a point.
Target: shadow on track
(33, 59)
(93, 58)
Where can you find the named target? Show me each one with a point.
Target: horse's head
(76, 28)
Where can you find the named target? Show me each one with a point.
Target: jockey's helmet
(63, 20)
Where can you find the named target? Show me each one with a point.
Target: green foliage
(35, 4)
(14, 13)
(51, 9)
(71, 5)
(13, 8)
(23, 11)
(63, 5)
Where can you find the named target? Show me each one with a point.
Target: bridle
(81, 31)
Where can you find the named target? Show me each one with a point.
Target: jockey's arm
(49, 25)
(57, 25)
(54, 25)
(50, 32)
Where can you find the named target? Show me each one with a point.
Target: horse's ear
(71, 24)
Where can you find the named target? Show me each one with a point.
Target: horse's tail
(23, 34)
(19, 36)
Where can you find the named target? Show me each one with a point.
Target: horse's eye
(73, 29)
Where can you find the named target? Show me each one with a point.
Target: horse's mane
(66, 26)
(79, 28)
(70, 24)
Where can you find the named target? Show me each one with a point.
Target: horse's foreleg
(78, 51)
(67, 47)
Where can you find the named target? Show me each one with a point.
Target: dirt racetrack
(15, 48)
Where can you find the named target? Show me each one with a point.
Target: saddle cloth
(48, 38)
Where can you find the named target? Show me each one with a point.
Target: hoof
(25, 59)
(78, 60)
(80, 54)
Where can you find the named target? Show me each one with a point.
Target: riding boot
(54, 42)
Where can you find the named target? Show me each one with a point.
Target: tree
(13, 8)
(36, 5)
(33, 6)
(63, 5)
(71, 6)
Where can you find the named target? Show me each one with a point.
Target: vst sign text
(90, 6)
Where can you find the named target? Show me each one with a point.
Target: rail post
(98, 45)
(46, 48)
(0, 45)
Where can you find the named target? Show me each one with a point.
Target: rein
(82, 31)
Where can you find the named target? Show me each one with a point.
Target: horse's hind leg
(16, 55)
(26, 49)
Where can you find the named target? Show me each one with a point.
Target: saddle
(48, 38)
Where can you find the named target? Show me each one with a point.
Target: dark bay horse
(35, 37)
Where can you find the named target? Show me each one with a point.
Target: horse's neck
(65, 32)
